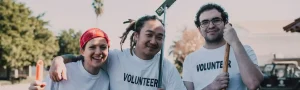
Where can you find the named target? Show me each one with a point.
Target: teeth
(100, 57)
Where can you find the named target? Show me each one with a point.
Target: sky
(80, 15)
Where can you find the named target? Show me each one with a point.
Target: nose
(98, 51)
(153, 41)
(211, 25)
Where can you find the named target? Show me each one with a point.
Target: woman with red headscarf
(85, 74)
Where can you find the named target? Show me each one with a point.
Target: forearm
(70, 58)
(251, 75)
(208, 87)
(189, 85)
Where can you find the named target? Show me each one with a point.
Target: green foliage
(69, 42)
(98, 7)
(24, 38)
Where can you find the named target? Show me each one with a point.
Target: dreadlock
(135, 26)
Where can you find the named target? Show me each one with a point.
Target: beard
(218, 39)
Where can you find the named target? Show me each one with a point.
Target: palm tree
(98, 7)
(190, 41)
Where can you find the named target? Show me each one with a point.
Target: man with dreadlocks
(135, 68)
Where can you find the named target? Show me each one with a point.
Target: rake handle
(226, 57)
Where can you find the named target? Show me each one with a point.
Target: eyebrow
(160, 34)
(211, 19)
(101, 44)
(215, 18)
(149, 31)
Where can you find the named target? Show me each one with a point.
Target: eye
(159, 38)
(216, 20)
(92, 47)
(103, 47)
(204, 22)
(149, 35)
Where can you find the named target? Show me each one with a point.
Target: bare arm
(189, 85)
(71, 58)
(251, 75)
(58, 68)
(208, 87)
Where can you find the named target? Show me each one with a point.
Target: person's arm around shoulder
(58, 70)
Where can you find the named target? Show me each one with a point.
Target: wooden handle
(226, 57)
(39, 70)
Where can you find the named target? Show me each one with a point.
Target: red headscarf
(91, 34)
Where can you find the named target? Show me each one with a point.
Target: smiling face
(95, 52)
(150, 38)
(212, 26)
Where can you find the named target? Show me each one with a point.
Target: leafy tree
(69, 42)
(190, 41)
(24, 38)
(98, 7)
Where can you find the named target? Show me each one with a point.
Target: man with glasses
(202, 69)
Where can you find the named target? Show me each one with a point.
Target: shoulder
(168, 65)
(104, 74)
(247, 47)
(114, 51)
(72, 65)
(193, 55)
(113, 54)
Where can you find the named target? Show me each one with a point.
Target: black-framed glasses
(215, 21)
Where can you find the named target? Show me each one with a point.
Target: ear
(136, 35)
(199, 29)
(81, 51)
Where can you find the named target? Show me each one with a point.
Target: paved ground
(23, 86)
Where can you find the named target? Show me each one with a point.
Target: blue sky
(79, 14)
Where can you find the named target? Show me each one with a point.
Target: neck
(92, 70)
(214, 45)
(141, 55)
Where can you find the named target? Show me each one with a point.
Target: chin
(151, 53)
(97, 63)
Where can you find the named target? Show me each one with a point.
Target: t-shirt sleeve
(112, 55)
(50, 85)
(251, 54)
(174, 81)
(186, 72)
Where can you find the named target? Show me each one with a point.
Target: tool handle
(226, 57)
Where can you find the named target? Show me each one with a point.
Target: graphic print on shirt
(133, 79)
(211, 65)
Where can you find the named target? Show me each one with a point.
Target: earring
(134, 42)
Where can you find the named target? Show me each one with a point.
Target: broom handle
(226, 57)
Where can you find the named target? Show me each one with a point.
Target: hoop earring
(134, 42)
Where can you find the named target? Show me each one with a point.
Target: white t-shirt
(79, 79)
(204, 65)
(129, 72)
